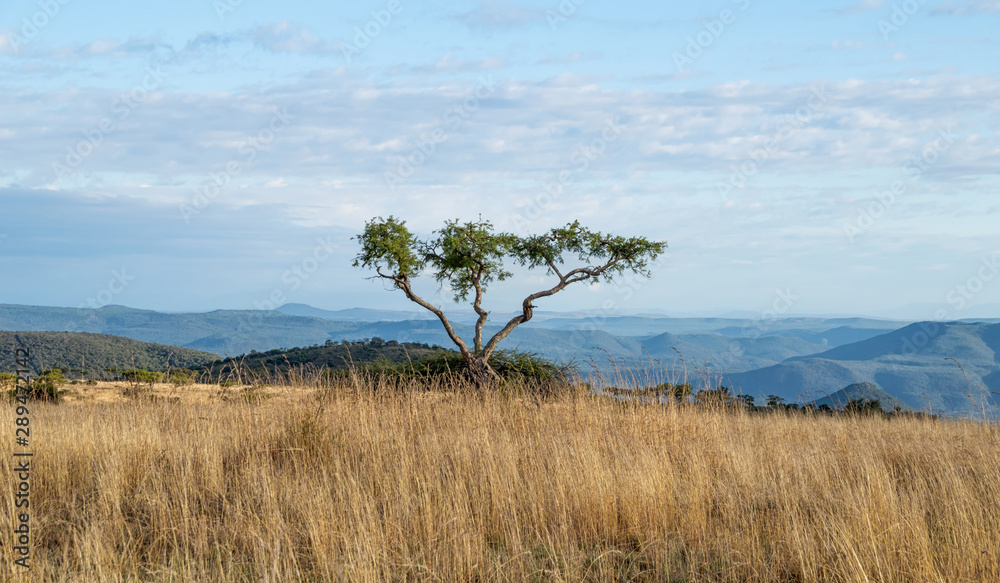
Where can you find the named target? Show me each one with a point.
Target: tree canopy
(470, 256)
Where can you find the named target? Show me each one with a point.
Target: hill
(963, 341)
(913, 364)
(329, 355)
(866, 391)
(86, 351)
(221, 331)
(575, 337)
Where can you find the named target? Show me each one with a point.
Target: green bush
(44, 388)
(8, 380)
(141, 377)
(864, 407)
(56, 374)
(181, 377)
(136, 378)
(512, 366)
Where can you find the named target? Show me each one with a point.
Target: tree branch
(527, 311)
(404, 284)
(527, 308)
(555, 270)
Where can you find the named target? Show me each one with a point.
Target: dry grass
(372, 485)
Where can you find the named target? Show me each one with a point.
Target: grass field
(367, 484)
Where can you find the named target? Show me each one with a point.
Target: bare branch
(555, 270)
(527, 311)
(404, 285)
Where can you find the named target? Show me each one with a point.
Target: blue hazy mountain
(950, 367)
(799, 359)
(354, 314)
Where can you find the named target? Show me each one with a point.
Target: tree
(470, 256)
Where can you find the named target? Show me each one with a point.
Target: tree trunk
(481, 372)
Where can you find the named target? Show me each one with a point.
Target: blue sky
(220, 154)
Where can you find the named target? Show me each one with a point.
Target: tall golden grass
(370, 484)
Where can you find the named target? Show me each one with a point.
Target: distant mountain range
(944, 367)
(800, 359)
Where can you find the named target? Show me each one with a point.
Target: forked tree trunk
(481, 372)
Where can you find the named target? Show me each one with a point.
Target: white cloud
(337, 151)
(863, 6)
(8, 44)
(500, 15)
(968, 7)
(289, 37)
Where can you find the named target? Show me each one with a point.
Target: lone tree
(469, 256)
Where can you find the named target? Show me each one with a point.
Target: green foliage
(864, 407)
(136, 377)
(618, 253)
(181, 377)
(8, 380)
(56, 374)
(511, 365)
(468, 254)
(679, 391)
(44, 387)
(77, 352)
(468, 257)
(388, 244)
(139, 381)
(279, 364)
(464, 254)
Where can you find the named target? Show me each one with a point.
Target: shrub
(56, 374)
(181, 377)
(719, 397)
(513, 367)
(43, 388)
(139, 377)
(864, 407)
(136, 378)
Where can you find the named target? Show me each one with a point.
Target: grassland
(363, 483)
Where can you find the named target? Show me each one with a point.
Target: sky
(829, 157)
